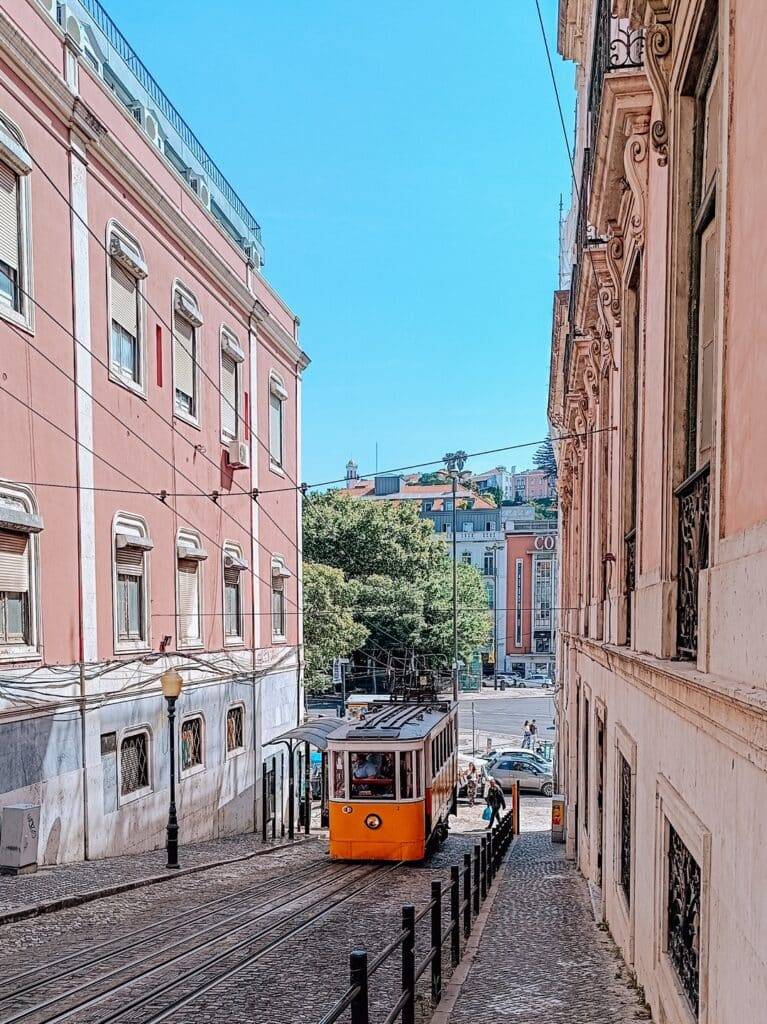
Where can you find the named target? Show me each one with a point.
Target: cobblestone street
(541, 955)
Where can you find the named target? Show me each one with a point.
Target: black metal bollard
(436, 941)
(483, 872)
(476, 880)
(467, 894)
(491, 844)
(358, 978)
(408, 964)
(455, 915)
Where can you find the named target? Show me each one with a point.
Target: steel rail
(251, 958)
(23, 1014)
(172, 920)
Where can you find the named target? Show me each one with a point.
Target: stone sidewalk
(65, 885)
(541, 955)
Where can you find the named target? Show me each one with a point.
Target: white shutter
(14, 562)
(184, 355)
(275, 429)
(228, 395)
(9, 217)
(188, 600)
(124, 298)
(130, 561)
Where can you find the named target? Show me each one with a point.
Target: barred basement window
(134, 763)
(625, 827)
(192, 730)
(683, 917)
(235, 729)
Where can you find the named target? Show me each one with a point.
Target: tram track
(152, 931)
(59, 1006)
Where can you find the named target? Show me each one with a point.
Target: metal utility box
(557, 819)
(19, 838)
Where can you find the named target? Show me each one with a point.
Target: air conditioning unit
(200, 188)
(152, 128)
(238, 454)
(70, 25)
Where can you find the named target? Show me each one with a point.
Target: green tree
(495, 493)
(330, 628)
(398, 574)
(545, 459)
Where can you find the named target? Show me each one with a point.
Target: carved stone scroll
(657, 49)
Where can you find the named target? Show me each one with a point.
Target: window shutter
(9, 217)
(130, 561)
(228, 395)
(124, 299)
(14, 562)
(184, 354)
(188, 603)
(231, 577)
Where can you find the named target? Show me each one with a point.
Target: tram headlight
(373, 822)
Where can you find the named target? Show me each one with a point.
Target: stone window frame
(139, 525)
(116, 230)
(671, 809)
(138, 794)
(32, 649)
(585, 766)
(232, 550)
(235, 751)
(195, 769)
(19, 161)
(180, 293)
(278, 390)
(626, 747)
(192, 540)
(229, 346)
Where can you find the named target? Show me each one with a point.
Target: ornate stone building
(659, 366)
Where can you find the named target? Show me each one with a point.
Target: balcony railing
(616, 47)
(631, 554)
(694, 499)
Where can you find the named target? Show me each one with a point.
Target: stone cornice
(731, 712)
(44, 80)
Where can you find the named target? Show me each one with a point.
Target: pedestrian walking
(533, 735)
(471, 783)
(526, 736)
(495, 800)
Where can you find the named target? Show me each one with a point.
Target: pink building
(150, 401)
(659, 367)
(530, 621)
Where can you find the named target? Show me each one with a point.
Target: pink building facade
(657, 389)
(150, 455)
(530, 620)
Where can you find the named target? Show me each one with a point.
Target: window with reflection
(371, 776)
(337, 775)
(406, 776)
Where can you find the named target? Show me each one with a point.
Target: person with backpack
(533, 735)
(495, 800)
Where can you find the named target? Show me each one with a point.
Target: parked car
(508, 770)
(481, 764)
(537, 680)
(522, 752)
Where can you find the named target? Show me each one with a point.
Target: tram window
(406, 777)
(418, 774)
(338, 775)
(372, 776)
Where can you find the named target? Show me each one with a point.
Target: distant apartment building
(479, 535)
(525, 485)
(531, 614)
(151, 386)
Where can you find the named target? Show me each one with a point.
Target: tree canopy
(393, 578)
(330, 628)
(545, 459)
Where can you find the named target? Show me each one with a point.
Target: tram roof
(397, 721)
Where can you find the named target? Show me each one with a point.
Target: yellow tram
(393, 778)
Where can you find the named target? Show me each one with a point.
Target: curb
(77, 899)
(453, 988)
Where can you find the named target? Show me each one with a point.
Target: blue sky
(405, 162)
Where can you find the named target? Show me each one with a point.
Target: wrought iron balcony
(616, 47)
(631, 553)
(694, 498)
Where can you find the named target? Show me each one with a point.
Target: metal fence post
(358, 978)
(408, 964)
(467, 894)
(483, 871)
(476, 880)
(436, 941)
(455, 915)
(491, 844)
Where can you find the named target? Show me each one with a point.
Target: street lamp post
(171, 683)
(455, 461)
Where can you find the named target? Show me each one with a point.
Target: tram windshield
(372, 776)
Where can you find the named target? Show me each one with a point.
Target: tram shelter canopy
(314, 731)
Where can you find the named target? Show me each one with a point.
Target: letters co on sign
(544, 543)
